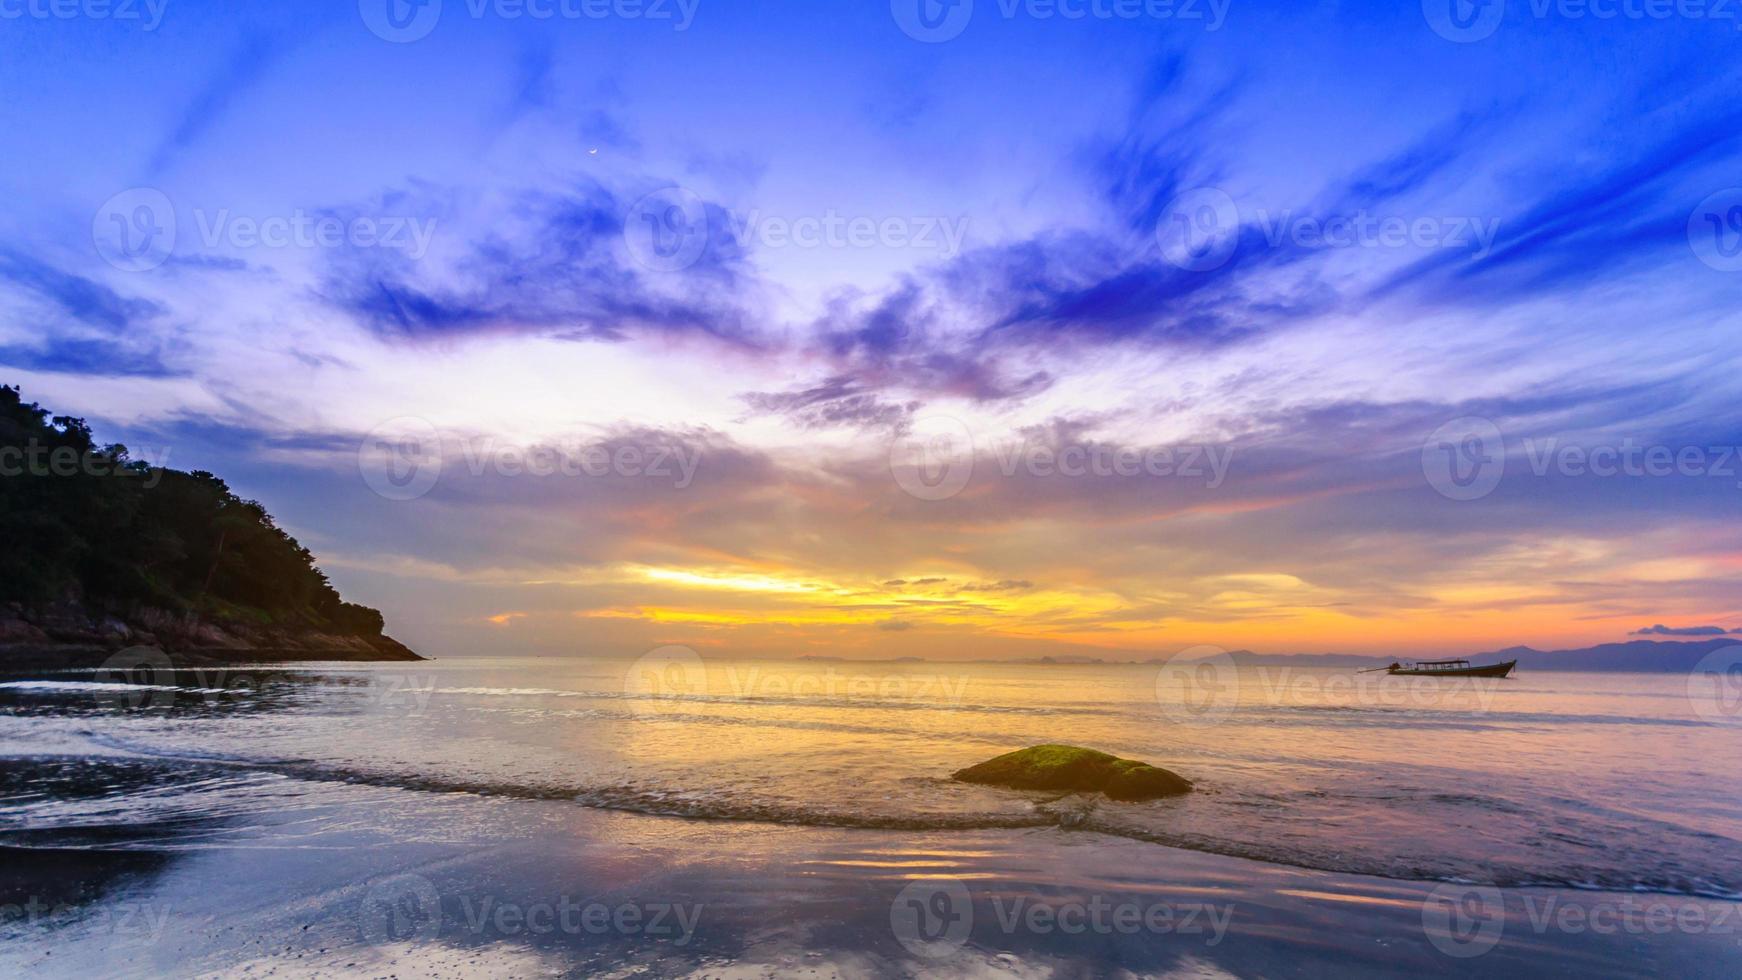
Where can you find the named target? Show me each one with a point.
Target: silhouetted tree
(83, 522)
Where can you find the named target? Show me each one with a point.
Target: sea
(1563, 783)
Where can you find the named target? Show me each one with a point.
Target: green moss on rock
(1069, 768)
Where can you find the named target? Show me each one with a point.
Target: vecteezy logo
(1464, 920)
(1464, 459)
(934, 459)
(1464, 21)
(400, 21)
(1198, 684)
(1199, 230)
(1715, 230)
(1715, 686)
(932, 917)
(667, 231)
(664, 674)
(401, 459)
(137, 677)
(135, 230)
(932, 21)
(401, 909)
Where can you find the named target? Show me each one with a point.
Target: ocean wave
(801, 701)
(102, 687)
(1074, 813)
(687, 718)
(1581, 878)
(1391, 714)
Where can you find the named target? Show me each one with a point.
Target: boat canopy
(1438, 662)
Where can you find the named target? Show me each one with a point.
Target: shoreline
(681, 898)
(1017, 828)
(1013, 828)
(75, 635)
(85, 656)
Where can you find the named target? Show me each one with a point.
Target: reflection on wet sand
(582, 893)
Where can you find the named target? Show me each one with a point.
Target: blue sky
(1000, 265)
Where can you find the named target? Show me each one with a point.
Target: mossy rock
(1068, 768)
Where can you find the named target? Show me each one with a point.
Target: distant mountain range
(1668, 656)
(1634, 655)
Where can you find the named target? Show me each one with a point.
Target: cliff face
(73, 635)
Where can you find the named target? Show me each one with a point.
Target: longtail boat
(1447, 668)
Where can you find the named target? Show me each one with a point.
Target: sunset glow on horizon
(784, 346)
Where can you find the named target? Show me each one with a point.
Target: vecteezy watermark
(400, 21)
(944, 690)
(936, 21)
(1205, 685)
(831, 229)
(1466, 921)
(1715, 230)
(1630, 916)
(1631, 458)
(1715, 685)
(1467, 21)
(1363, 229)
(934, 459)
(401, 908)
(937, 456)
(409, 907)
(934, 917)
(672, 462)
(37, 460)
(123, 923)
(1199, 684)
(675, 673)
(403, 694)
(670, 921)
(1463, 921)
(664, 675)
(667, 230)
(1201, 230)
(1463, 21)
(136, 230)
(1466, 459)
(1101, 916)
(404, 21)
(1076, 461)
(403, 458)
(670, 230)
(146, 13)
(301, 229)
(137, 677)
(145, 677)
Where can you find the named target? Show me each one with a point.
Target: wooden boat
(1448, 668)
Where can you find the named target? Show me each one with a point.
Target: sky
(994, 328)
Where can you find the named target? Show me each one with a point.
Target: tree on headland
(83, 522)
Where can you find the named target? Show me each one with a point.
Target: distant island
(99, 552)
(1636, 656)
(1648, 656)
(824, 658)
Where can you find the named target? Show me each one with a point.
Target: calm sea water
(1613, 781)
